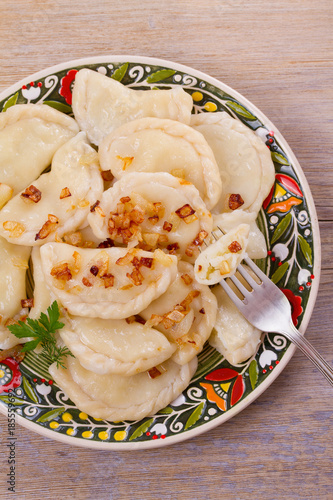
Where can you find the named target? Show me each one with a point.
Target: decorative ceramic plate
(218, 390)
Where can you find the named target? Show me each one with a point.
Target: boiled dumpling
(156, 145)
(57, 202)
(115, 397)
(185, 313)
(125, 347)
(233, 336)
(256, 247)
(30, 134)
(245, 163)
(42, 295)
(220, 259)
(106, 283)
(153, 210)
(13, 267)
(101, 104)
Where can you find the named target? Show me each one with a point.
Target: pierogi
(156, 145)
(102, 104)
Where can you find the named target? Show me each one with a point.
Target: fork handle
(304, 345)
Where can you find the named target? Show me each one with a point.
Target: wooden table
(280, 56)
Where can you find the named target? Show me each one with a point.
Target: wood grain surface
(280, 56)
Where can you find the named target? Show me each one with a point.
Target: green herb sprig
(43, 331)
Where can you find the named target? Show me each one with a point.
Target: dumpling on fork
(30, 134)
(220, 259)
(109, 283)
(156, 145)
(57, 202)
(101, 104)
(153, 210)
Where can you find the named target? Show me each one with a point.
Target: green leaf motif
(194, 417)
(120, 72)
(142, 429)
(59, 106)
(240, 110)
(253, 373)
(280, 272)
(50, 415)
(10, 102)
(306, 249)
(163, 74)
(281, 228)
(165, 411)
(9, 399)
(29, 390)
(278, 158)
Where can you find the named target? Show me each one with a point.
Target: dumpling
(57, 202)
(109, 283)
(156, 145)
(220, 259)
(30, 134)
(256, 247)
(155, 211)
(245, 163)
(42, 295)
(13, 267)
(185, 313)
(101, 104)
(233, 336)
(115, 397)
(125, 347)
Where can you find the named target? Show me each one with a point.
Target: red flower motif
(295, 301)
(66, 86)
(10, 375)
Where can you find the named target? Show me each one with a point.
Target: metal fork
(268, 309)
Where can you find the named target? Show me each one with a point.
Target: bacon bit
(234, 247)
(65, 193)
(94, 270)
(32, 193)
(108, 280)
(187, 279)
(146, 262)
(154, 219)
(136, 277)
(199, 239)
(154, 372)
(93, 207)
(186, 212)
(13, 352)
(167, 226)
(74, 239)
(15, 228)
(47, 228)
(107, 175)
(61, 272)
(27, 303)
(108, 243)
(224, 268)
(202, 311)
(235, 201)
(86, 282)
(173, 248)
(127, 160)
(125, 260)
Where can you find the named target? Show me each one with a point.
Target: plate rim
(207, 426)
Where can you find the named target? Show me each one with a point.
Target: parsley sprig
(43, 331)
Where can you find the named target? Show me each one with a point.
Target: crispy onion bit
(187, 213)
(224, 268)
(13, 352)
(125, 222)
(94, 270)
(124, 261)
(65, 193)
(146, 262)
(47, 228)
(187, 279)
(234, 247)
(202, 311)
(107, 175)
(136, 277)
(61, 271)
(108, 280)
(199, 239)
(154, 219)
(167, 226)
(125, 199)
(93, 207)
(86, 282)
(135, 319)
(27, 303)
(32, 193)
(127, 160)
(189, 298)
(15, 228)
(74, 239)
(151, 239)
(77, 262)
(154, 372)
(235, 201)
(108, 243)
(172, 248)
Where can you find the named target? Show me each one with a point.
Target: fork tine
(262, 276)
(248, 278)
(231, 294)
(240, 286)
